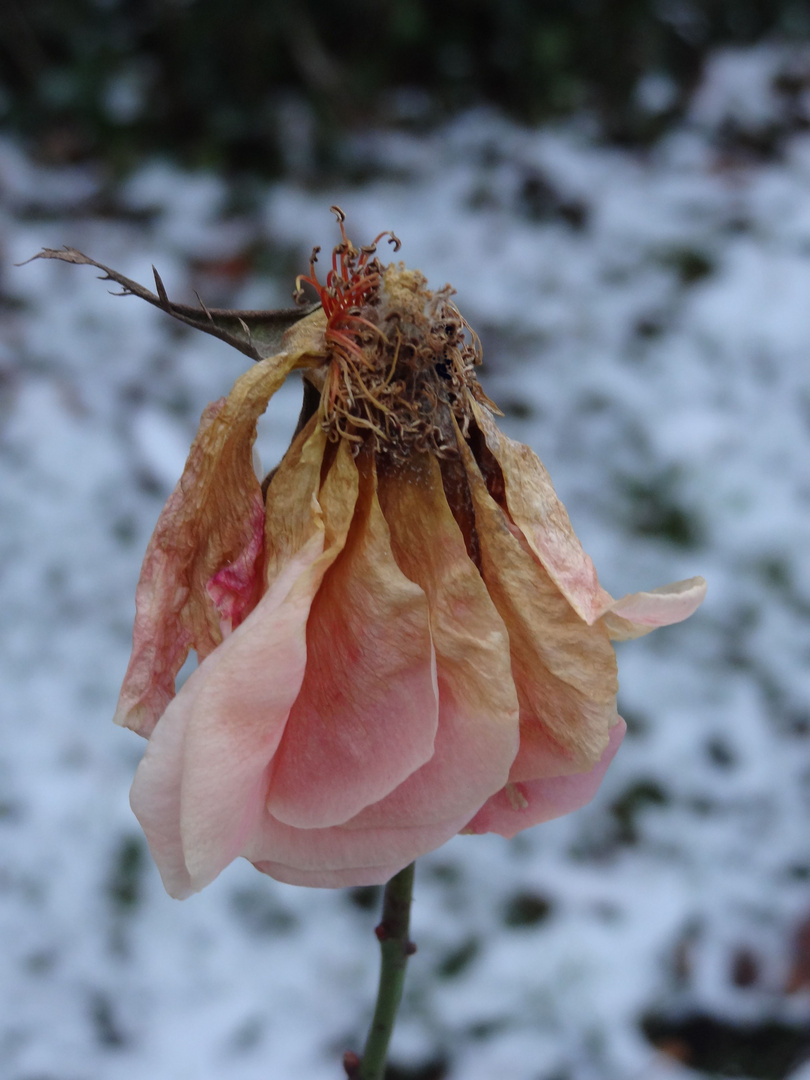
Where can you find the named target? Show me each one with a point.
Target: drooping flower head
(399, 635)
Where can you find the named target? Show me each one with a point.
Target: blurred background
(112, 80)
(620, 193)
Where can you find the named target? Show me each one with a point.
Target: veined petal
(233, 589)
(541, 517)
(241, 715)
(520, 805)
(238, 719)
(478, 732)
(564, 670)
(367, 712)
(340, 855)
(331, 879)
(305, 339)
(202, 785)
(157, 790)
(292, 509)
(543, 520)
(226, 721)
(155, 794)
(209, 522)
(638, 613)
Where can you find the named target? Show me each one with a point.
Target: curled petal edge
(337, 855)
(639, 613)
(520, 806)
(199, 788)
(367, 713)
(543, 520)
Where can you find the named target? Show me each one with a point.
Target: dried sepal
(257, 334)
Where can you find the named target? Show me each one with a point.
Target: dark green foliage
(655, 510)
(720, 753)
(428, 1070)
(366, 897)
(458, 959)
(445, 873)
(638, 725)
(260, 913)
(516, 410)
(631, 804)
(223, 84)
(107, 1030)
(690, 264)
(9, 810)
(526, 909)
(486, 1029)
(124, 884)
(768, 1050)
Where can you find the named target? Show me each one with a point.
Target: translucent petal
(564, 670)
(534, 507)
(519, 806)
(638, 613)
(204, 777)
(367, 712)
(478, 733)
(200, 786)
(210, 521)
(316, 856)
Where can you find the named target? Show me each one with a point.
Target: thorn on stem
(351, 1064)
(161, 289)
(381, 932)
(410, 948)
(206, 312)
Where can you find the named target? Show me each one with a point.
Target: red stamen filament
(352, 277)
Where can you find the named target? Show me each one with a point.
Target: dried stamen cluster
(401, 357)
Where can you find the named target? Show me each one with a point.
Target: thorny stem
(395, 948)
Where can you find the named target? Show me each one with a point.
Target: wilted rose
(399, 635)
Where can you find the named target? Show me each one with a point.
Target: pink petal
(331, 879)
(155, 793)
(233, 588)
(208, 523)
(478, 732)
(205, 775)
(639, 613)
(520, 805)
(367, 712)
(541, 517)
(358, 856)
(200, 786)
(240, 720)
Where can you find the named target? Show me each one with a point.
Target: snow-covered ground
(646, 327)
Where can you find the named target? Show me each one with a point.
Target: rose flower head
(399, 635)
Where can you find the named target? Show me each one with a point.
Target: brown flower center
(400, 358)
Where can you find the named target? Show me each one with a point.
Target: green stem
(395, 948)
